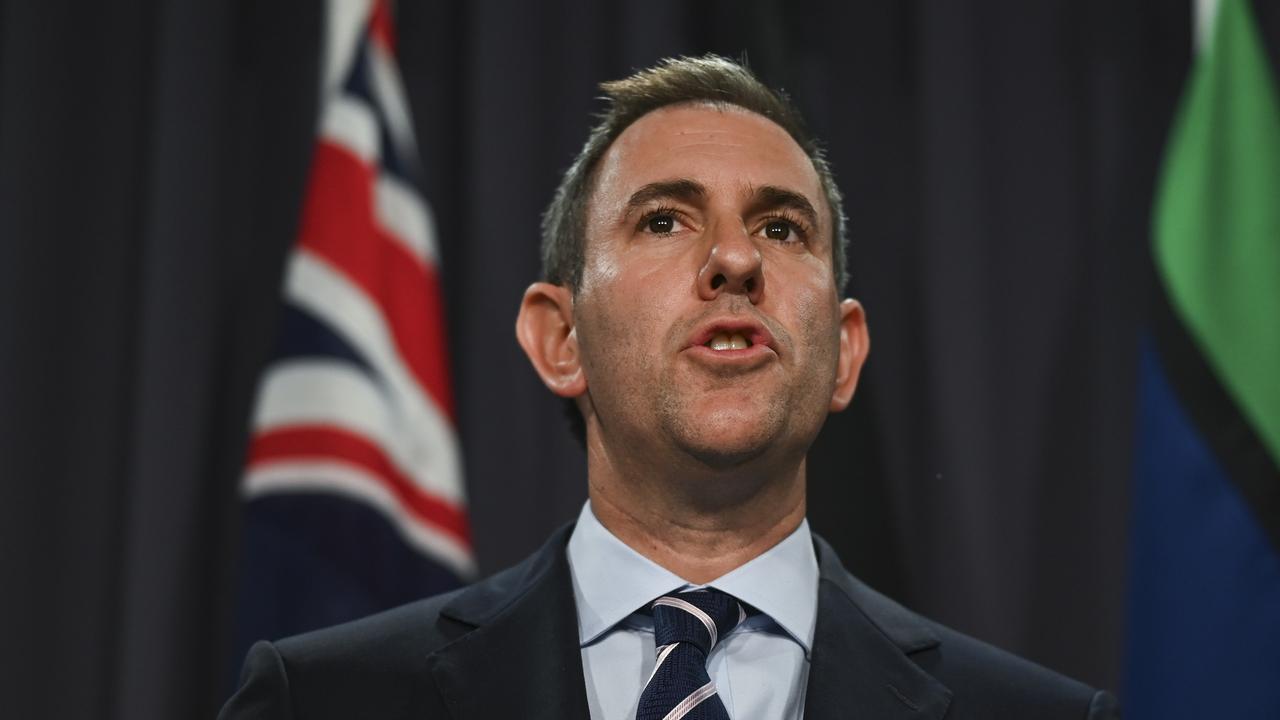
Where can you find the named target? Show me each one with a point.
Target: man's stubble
(669, 392)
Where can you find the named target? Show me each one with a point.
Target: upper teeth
(726, 341)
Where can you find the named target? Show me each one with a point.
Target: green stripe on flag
(1217, 218)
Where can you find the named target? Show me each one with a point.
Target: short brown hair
(675, 81)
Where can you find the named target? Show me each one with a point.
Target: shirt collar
(611, 581)
(781, 582)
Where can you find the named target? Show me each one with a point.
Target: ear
(546, 331)
(854, 344)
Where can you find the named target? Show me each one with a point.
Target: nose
(733, 265)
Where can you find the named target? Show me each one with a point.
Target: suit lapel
(523, 658)
(860, 663)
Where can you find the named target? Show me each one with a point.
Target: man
(694, 260)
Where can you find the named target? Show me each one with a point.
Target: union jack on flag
(353, 489)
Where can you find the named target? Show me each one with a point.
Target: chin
(724, 429)
(724, 445)
(724, 458)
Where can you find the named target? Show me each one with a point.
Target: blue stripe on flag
(1204, 614)
(312, 560)
(359, 85)
(302, 334)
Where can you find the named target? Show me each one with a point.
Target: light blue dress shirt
(760, 669)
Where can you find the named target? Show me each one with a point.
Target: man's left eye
(780, 230)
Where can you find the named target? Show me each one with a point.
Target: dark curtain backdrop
(997, 157)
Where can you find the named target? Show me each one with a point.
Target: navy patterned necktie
(685, 627)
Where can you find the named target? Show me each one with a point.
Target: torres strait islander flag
(1204, 609)
(353, 489)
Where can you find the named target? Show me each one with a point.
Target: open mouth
(728, 341)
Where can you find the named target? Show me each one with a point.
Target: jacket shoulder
(372, 667)
(402, 636)
(988, 682)
(377, 666)
(984, 681)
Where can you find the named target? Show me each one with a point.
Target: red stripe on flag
(303, 442)
(338, 224)
(381, 28)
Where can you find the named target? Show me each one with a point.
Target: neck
(697, 527)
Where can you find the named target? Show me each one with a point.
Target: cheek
(816, 313)
(599, 272)
(620, 334)
(641, 298)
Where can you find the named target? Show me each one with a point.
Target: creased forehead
(702, 141)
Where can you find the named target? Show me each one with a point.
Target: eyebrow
(771, 197)
(690, 191)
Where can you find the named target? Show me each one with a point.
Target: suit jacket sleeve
(264, 688)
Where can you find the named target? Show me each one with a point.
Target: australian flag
(353, 489)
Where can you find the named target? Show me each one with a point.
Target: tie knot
(699, 617)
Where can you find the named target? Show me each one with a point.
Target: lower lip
(747, 355)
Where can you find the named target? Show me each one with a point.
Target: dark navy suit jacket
(507, 647)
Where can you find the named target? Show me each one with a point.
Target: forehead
(726, 148)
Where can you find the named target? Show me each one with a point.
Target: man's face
(708, 319)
